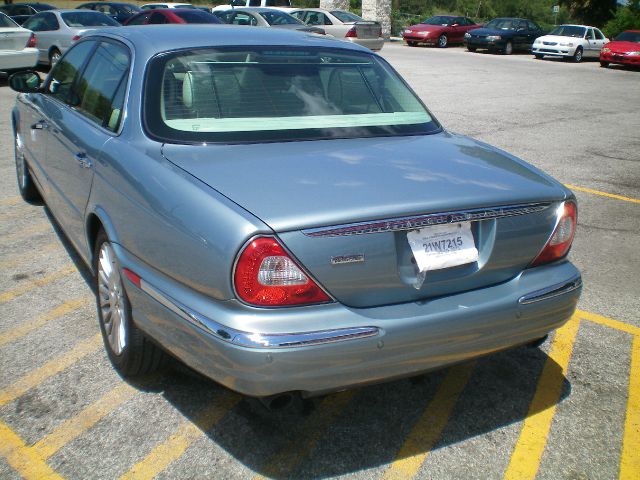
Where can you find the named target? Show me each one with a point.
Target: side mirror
(25, 82)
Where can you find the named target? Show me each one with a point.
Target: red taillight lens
(352, 33)
(32, 41)
(75, 38)
(560, 242)
(267, 276)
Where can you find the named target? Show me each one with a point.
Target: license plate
(443, 246)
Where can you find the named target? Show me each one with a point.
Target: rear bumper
(370, 43)
(379, 344)
(18, 59)
(621, 59)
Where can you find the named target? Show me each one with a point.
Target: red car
(439, 30)
(172, 15)
(624, 49)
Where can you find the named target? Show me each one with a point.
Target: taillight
(352, 33)
(32, 41)
(379, 31)
(267, 276)
(560, 242)
(75, 38)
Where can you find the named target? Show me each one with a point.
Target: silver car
(57, 30)
(17, 46)
(283, 213)
(263, 17)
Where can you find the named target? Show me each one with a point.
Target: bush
(626, 18)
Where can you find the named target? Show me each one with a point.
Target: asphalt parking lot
(567, 410)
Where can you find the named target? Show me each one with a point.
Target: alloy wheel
(442, 41)
(112, 300)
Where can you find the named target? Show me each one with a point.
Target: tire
(442, 41)
(130, 352)
(508, 48)
(604, 64)
(577, 56)
(26, 186)
(54, 56)
(471, 49)
(412, 44)
(539, 56)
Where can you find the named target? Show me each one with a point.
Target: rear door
(86, 118)
(589, 44)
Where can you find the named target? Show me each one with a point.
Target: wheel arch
(97, 220)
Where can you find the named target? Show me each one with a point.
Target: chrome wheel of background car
(26, 187)
(442, 41)
(508, 48)
(54, 56)
(111, 298)
(577, 57)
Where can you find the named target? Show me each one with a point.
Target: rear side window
(65, 72)
(7, 22)
(139, 19)
(277, 93)
(88, 19)
(599, 35)
(196, 16)
(99, 93)
(42, 22)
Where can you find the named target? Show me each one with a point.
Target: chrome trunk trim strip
(426, 220)
(256, 339)
(552, 291)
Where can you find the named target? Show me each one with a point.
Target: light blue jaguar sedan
(281, 212)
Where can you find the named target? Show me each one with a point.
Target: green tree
(591, 12)
(625, 18)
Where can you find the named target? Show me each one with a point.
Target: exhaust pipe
(277, 402)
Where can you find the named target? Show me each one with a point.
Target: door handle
(41, 125)
(83, 160)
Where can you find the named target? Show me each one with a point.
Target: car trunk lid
(14, 39)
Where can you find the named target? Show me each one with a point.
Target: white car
(343, 25)
(153, 6)
(17, 46)
(570, 41)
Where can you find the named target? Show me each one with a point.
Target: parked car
(120, 12)
(344, 25)
(570, 42)
(283, 213)
(17, 46)
(280, 4)
(19, 12)
(624, 49)
(172, 15)
(264, 17)
(440, 30)
(56, 30)
(156, 6)
(504, 35)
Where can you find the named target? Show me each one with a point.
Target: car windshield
(438, 20)
(259, 94)
(502, 24)
(568, 31)
(88, 19)
(197, 16)
(277, 3)
(7, 22)
(275, 17)
(628, 37)
(41, 7)
(346, 17)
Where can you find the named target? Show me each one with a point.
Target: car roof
(575, 25)
(161, 38)
(254, 9)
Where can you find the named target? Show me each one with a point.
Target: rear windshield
(197, 16)
(345, 17)
(275, 17)
(503, 24)
(438, 20)
(41, 7)
(265, 94)
(88, 19)
(629, 37)
(6, 21)
(568, 31)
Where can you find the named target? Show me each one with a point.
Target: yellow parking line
(525, 459)
(25, 257)
(27, 232)
(428, 429)
(58, 312)
(21, 458)
(11, 201)
(35, 283)
(289, 457)
(187, 433)
(76, 426)
(608, 322)
(49, 369)
(630, 458)
(602, 194)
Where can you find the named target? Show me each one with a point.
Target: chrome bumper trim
(552, 291)
(256, 339)
(419, 221)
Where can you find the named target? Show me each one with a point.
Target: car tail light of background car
(351, 33)
(266, 276)
(75, 38)
(32, 41)
(560, 242)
